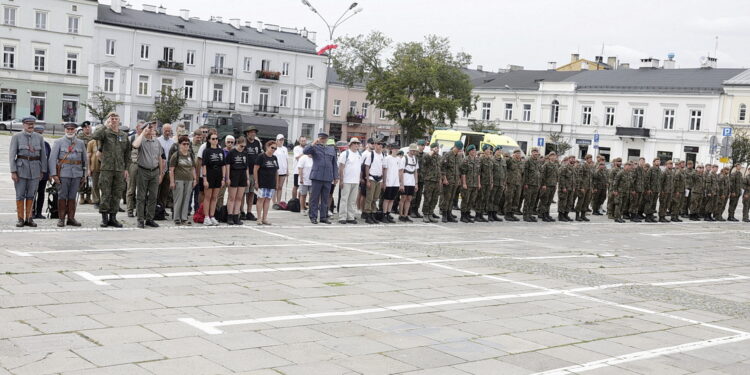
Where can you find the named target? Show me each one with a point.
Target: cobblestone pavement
(297, 298)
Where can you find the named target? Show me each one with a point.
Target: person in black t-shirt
(215, 177)
(253, 149)
(239, 174)
(265, 172)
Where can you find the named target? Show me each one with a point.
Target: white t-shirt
(413, 166)
(352, 166)
(282, 155)
(392, 165)
(306, 163)
(375, 161)
(297, 152)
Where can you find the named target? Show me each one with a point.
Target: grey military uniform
(69, 156)
(28, 159)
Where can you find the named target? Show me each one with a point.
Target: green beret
(434, 145)
(486, 147)
(471, 147)
(421, 142)
(459, 145)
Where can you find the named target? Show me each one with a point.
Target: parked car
(342, 146)
(15, 125)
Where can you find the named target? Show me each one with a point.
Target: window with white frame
(308, 100)
(284, 98)
(382, 114)
(39, 104)
(352, 108)
(527, 112)
(71, 63)
(189, 87)
(695, 119)
(73, 22)
(247, 64)
(609, 116)
(109, 82)
(9, 16)
(285, 69)
(245, 95)
(742, 114)
(40, 57)
(143, 85)
(168, 54)
(365, 107)
(263, 95)
(486, 111)
(9, 57)
(508, 114)
(337, 107)
(586, 115)
(190, 58)
(639, 115)
(668, 119)
(41, 20)
(218, 92)
(219, 61)
(144, 51)
(109, 49)
(166, 85)
(310, 71)
(554, 114)
(265, 65)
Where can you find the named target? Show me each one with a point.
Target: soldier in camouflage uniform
(430, 174)
(583, 189)
(667, 189)
(721, 202)
(678, 186)
(115, 160)
(512, 185)
(498, 185)
(689, 177)
(639, 183)
(566, 186)
(417, 199)
(622, 186)
(486, 168)
(550, 171)
(470, 185)
(616, 168)
(696, 193)
(712, 190)
(450, 173)
(735, 190)
(532, 178)
(746, 196)
(652, 190)
(600, 188)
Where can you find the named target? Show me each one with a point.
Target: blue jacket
(324, 163)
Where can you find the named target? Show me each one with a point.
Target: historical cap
(279, 136)
(354, 140)
(331, 142)
(29, 119)
(459, 145)
(39, 127)
(486, 146)
(251, 128)
(414, 147)
(320, 135)
(421, 142)
(470, 147)
(435, 144)
(70, 125)
(517, 151)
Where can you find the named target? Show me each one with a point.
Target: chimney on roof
(311, 35)
(235, 22)
(670, 62)
(512, 67)
(303, 32)
(624, 66)
(649, 63)
(185, 14)
(552, 65)
(584, 65)
(574, 57)
(599, 59)
(248, 24)
(116, 6)
(218, 19)
(128, 5)
(260, 26)
(612, 62)
(149, 8)
(709, 63)
(162, 9)
(479, 68)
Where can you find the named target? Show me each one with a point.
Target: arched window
(554, 112)
(743, 113)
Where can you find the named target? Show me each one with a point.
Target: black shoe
(489, 217)
(635, 219)
(237, 220)
(619, 221)
(408, 220)
(444, 219)
(469, 217)
(401, 218)
(417, 215)
(719, 218)
(578, 217)
(436, 217)
(342, 222)
(113, 221)
(119, 209)
(250, 217)
(746, 220)
(527, 219)
(141, 224)
(676, 219)
(353, 221)
(105, 221)
(511, 217)
(152, 224)
(450, 213)
(242, 215)
(451, 218)
(20, 223)
(584, 218)
(480, 218)
(313, 220)
(230, 219)
(131, 214)
(325, 221)
(732, 218)
(369, 219)
(663, 219)
(463, 218)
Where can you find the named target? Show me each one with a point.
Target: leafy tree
(740, 146)
(480, 126)
(100, 105)
(561, 143)
(169, 105)
(420, 86)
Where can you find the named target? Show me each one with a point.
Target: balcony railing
(623, 131)
(356, 119)
(222, 71)
(259, 108)
(171, 65)
(220, 105)
(267, 74)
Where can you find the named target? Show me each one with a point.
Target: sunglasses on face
(185, 143)
(273, 148)
(214, 139)
(230, 142)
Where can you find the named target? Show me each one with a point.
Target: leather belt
(31, 158)
(74, 162)
(148, 169)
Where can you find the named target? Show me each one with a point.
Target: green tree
(100, 105)
(740, 146)
(481, 126)
(169, 105)
(420, 86)
(560, 142)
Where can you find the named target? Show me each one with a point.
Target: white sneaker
(207, 222)
(214, 221)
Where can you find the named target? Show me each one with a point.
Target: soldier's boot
(463, 218)
(444, 217)
(368, 218)
(550, 219)
(719, 218)
(450, 213)
(480, 217)
(663, 219)
(428, 219)
(583, 216)
(469, 217)
(676, 218)
(746, 219)
(20, 213)
(72, 214)
(451, 217)
(578, 216)
(489, 217)
(105, 221)
(634, 219)
(619, 220)
(113, 221)
(62, 209)
(732, 218)
(415, 214)
(30, 214)
(498, 218)
(436, 217)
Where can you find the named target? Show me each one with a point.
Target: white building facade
(633, 113)
(222, 68)
(45, 46)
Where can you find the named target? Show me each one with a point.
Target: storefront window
(70, 108)
(38, 104)
(307, 130)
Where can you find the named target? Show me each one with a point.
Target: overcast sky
(521, 32)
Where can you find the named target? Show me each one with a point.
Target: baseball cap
(279, 136)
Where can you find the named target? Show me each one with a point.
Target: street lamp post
(348, 13)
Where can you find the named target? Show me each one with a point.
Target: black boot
(732, 218)
(463, 218)
(584, 218)
(489, 217)
(444, 217)
(113, 221)
(237, 220)
(451, 218)
(480, 218)
(105, 221)
(230, 219)
(578, 216)
(663, 219)
(676, 218)
(469, 217)
(497, 218)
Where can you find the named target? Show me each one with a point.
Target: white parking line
(99, 279)
(701, 281)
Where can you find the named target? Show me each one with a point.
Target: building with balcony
(350, 114)
(650, 112)
(223, 68)
(45, 46)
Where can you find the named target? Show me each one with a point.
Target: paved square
(297, 298)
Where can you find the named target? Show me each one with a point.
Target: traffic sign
(540, 142)
(596, 137)
(726, 132)
(724, 160)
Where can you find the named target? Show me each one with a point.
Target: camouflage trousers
(584, 197)
(696, 203)
(619, 200)
(446, 198)
(677, 199)
(530, 193)
(686, 202)
(611, 206)
(721, 204)
(484, 199)
(665, 202)
(512, 196)
(431, 192)
(745, 205)
(733, 200)
(496, 196)
(598, 198)
(546, 195)
(416, 200)
(112, 185)
(469, 199)
(649, 202)
(563, 198)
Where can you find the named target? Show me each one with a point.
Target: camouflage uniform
(566, 177)
(623, 185)
(665, 195)
(721, 201)
(85, 191)
(512, 185)
(449, 169)
(550, 172)
(735, 190)
(583, 190)
(652, 188)
(610, 201)
(429, 172)
(115, 159)
(486, 169)
(689, 178)
(470, 169)
(696, 194)
(498, 187)
(639, 184)
(532, 178)
(712, 189)
(678, 186)
(599, 180)
(746, 198)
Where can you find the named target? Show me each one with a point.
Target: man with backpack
(350, 165)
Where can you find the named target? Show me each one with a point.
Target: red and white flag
(326, 48)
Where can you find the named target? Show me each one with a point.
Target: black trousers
(40, 197)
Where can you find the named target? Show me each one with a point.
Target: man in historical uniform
(67, 165)
(86, 189)
(114, 146)
(28, 164)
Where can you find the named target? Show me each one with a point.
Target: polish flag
(326, 48)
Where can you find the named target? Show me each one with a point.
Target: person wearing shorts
(214, 177)
(409, 177)
(304, 167)
(253, 149)
(266, 172)
(391, 173)
(238, 178)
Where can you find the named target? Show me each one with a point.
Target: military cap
(322, 135)
(517, 151)
(535, 149)
(421, 142)
(459, 144)
(29, 119)
(486, 147)
(70, 125)
(85, 124)
(370, 141)
(470, 147)
(434, 144)
(39, 127)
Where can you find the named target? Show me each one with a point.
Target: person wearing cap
(531, 180)
(697, 192)
(471, 183)
(416, 201)
(350, 167)
(373, 161)
(151, 163)
(115, 147)
(513, 182)
(253, 149)
(68, 158)
(133, 170)
(599, 186)
(282, 155)
(450, 174)
(324, 172)
(85, 190)
(42, 186)
(392, 180)
(409, 175)
(486, 170)
(429, 171)
(550, 173)
(613, 171)
(297, 154)
(498, 185)
(28, 164)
